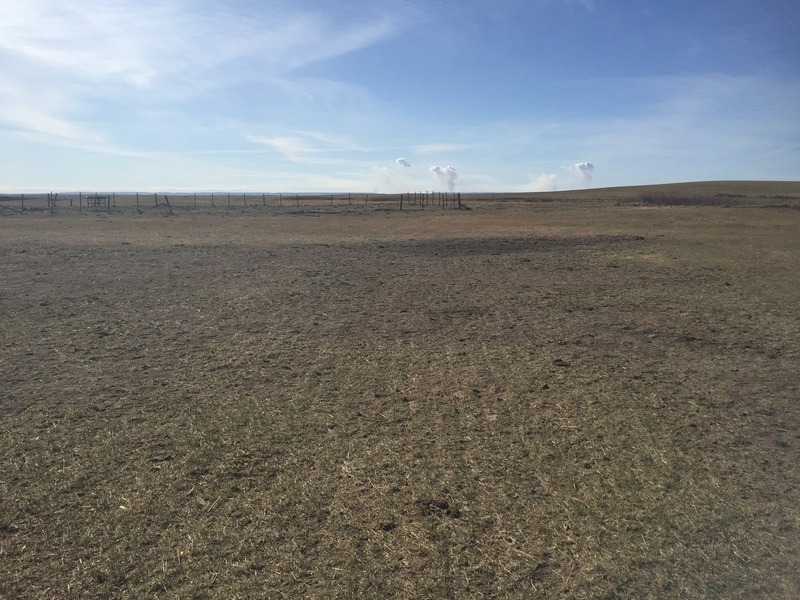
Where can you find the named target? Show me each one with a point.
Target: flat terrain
(573, 398)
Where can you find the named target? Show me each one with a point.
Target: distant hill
(731, 190)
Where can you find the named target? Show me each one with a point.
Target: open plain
(563, 396)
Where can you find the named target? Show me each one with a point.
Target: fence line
(99, 201)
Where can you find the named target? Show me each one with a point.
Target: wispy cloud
(140, 43)
(293, 148)
(330, 93)
(91, 40)
(335, 141)
(139, 53)
(312, 147)
(441, 148)
(590, 5)
(45, 114)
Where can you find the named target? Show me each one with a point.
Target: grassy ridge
(729, 189)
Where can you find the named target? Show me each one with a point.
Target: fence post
(80, 201)
(155, 196)
(297, 199)
(263, 199)
(212, 198)
(195, 199)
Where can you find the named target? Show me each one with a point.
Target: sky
(395, 95)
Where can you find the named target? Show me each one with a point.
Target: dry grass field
(585, 395)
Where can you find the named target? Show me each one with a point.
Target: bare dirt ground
(559, 399)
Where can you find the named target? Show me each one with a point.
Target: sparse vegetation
(563, 399)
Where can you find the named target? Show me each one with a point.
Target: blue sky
(300, 95)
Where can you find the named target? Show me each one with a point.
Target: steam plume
(546, 182)
(584, 170)
(447, 175)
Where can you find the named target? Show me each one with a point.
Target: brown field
(576, 395)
